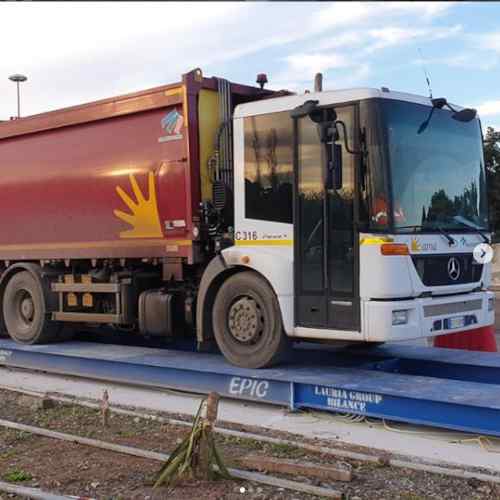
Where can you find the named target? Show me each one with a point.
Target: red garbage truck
(244, 216)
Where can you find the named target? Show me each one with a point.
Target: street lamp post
(18, 79)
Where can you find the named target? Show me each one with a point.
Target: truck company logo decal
(467, 244)
(144, 219)
(252, 238)
(253, 243)
(172, 124)
(417, 246)
(341, 399)
(254, 388)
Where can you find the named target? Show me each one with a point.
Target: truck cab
(361, 210)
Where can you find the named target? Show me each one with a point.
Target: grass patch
(12, 436)
(18, 476)
(285, 450)
(279, 450)
(127, 433)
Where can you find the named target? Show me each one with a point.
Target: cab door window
(269, 167)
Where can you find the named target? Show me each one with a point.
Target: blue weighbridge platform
(439, 387)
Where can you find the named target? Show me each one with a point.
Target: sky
(78, 52)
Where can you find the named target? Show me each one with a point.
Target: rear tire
(25, 312)
(247, 322)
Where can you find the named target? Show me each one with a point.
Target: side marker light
(394, 249)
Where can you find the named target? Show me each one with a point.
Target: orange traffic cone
(478, 339)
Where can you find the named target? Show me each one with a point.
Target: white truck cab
(361, 209)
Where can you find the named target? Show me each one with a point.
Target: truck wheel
(25, 312)
(247, 322)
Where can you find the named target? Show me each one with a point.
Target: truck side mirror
(304, 109)
(465, 115)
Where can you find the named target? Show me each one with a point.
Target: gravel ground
(73, 469)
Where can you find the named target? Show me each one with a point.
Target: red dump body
(113, 178)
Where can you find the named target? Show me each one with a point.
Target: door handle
(346, 303)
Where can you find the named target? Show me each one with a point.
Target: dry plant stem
(212, 408)
(208, 421)
(197, 455)
(105, 408)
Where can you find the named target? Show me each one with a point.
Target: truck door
(326, 242)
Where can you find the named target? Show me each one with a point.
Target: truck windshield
(437, 171)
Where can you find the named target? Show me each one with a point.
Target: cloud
(83, 52)
(354, 38)
(87, 51)
(466, 60)
(490, 41)
(349, 13)
(489, 108)
(302, 67)
(77, 30)
(394, 35)
(347, 50)
(313, 63)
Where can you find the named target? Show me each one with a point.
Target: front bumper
(427, 317)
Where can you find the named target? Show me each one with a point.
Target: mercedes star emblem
(453, 268)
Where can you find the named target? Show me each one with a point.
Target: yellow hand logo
(144, 218)
(415, 245)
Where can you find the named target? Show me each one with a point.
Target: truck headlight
(399, 317)
(491, 303)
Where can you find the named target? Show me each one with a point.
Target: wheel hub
(27, 309)
(245, 320)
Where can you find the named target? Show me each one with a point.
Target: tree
(441, 206)
(492, 162)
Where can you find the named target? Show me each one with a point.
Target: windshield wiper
(414, 227)
(470, 225)
(426, 122)
(451, 241)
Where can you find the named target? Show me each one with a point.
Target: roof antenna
(427, 78)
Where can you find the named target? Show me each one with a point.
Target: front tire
(25, 311)
(247, 322)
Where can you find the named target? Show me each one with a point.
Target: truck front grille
(452, 308)
(433, 269)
